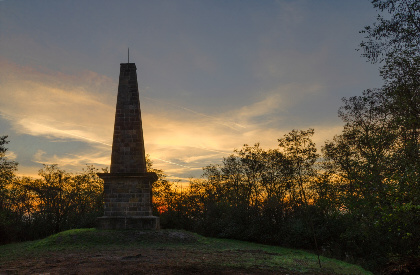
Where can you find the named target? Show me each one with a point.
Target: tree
(300, 150)
(376, 159)
(7, 170)
(394, 35)
(394, 40)
(63, 201)
(377, 179)
(362, 152)
(162, 189)
(7, 176)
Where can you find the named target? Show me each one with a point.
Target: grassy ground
(92, 251)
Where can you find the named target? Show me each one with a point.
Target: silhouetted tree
(7, 170)
(7, 175)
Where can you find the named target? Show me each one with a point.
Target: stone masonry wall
(128, 155)
(127, 188)
(127, 196)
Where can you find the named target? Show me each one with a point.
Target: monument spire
(128, 155)
(128, 186)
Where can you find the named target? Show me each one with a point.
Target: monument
(128, 186)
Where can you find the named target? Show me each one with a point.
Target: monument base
(122, 222)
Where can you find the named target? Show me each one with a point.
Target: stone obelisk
(128, 186)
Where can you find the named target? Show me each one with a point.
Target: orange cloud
(180, 140)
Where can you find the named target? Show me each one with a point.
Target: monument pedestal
(128, 201)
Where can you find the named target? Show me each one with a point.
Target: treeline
(334, 203)
(35, 208)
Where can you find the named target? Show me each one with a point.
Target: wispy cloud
(10, 155)
(55, 105)
(180, 141)
(226, 122)
(74, 160)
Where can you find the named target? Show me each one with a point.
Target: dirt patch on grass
(136, 261)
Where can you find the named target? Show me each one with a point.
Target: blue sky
(213, 75)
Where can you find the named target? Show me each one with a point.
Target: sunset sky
(213, 75)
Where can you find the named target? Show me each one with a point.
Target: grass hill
(92, 251)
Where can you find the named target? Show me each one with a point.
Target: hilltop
(92, 251)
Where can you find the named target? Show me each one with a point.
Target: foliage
(162, 189)
(35, 208)
(256, 194)
(7, 170)
(395, 35)
(7, 176)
